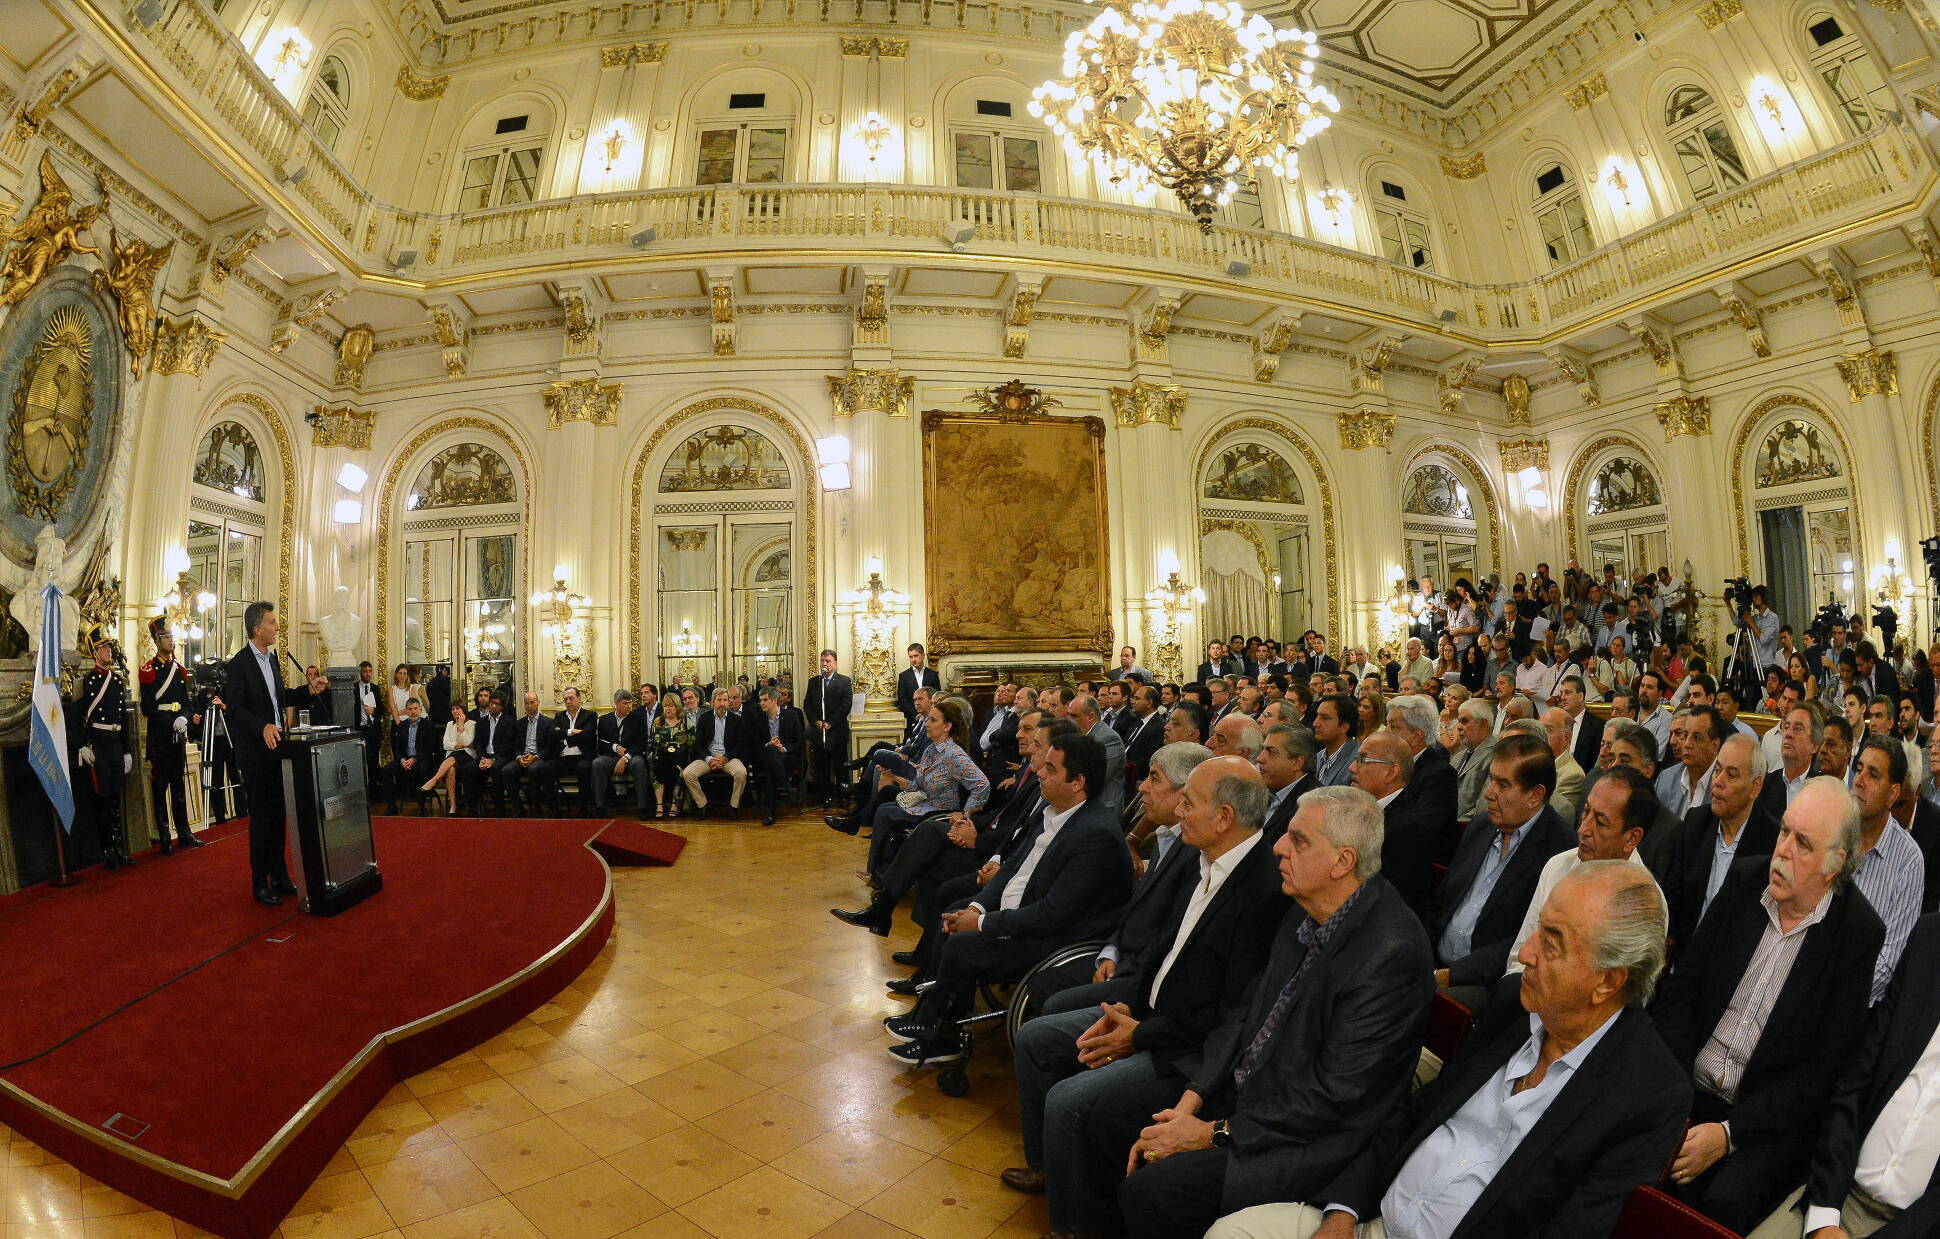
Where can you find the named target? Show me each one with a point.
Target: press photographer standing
(255, 697)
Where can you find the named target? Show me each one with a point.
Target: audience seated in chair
(578, 744)
(720, 745)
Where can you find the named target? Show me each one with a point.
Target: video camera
(1828, 615)
(1887, 622)
(1738, 590)
(206, 674)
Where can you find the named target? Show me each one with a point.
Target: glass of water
(303, 719)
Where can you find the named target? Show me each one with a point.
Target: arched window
(1256, 546)
(1694, 125)
(327, 109)
(461, 571)
(1560, 218)
(1859, 93)
(1401, 226)
(1627, 522)
(228, 517)
(502, 167)
(743, 133)
(1438, 519)
(994, 144)
(726, 531)
(1802, 502)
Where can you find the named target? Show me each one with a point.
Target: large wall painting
(1015, 537)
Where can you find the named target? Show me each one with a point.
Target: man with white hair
(1415, 721)
(1569, 775)
(1415, 661)
(1236, 736)
(1712, 837)
(1768, 993)
(1555, 1113)
(1084, 712)
(1475, 720)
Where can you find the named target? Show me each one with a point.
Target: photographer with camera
(1757, 627)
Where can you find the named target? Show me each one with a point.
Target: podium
(328, 810)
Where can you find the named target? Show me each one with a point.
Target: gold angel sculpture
(132, 281)
(45, 235)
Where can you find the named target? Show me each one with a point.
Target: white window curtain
(1236, 587)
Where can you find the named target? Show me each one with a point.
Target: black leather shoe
(843, 824)
(929, 1052)
(907, 958)
(768, 817)
(869, 918)
(906, 986)
(166, 847)
(909, 1027)
(111, 860)
(282, 886)
(265, 895)
(190, 841)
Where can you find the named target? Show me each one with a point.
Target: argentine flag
(47, 739)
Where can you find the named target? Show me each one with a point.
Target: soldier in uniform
(103, 741)
(165, 704)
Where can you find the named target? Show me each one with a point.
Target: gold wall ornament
(53, 415)
(870, 45)
(1872, 372)
(1365, 428)
(685, 539)
(421, 89)
(186, 345)
(582, 400)
(236, 251)
(1017, 317)
(1683, 415)
(626, 55)
(1658, 343)
(1366, 370)
(1586, 92)
(1576, 368)
(1014, 398)
(720, 308)
(343, 427)
(1148, 337)
(1746, 316)
(1274, 339)
(1465, 169)
(1148, 403)
(872, 313)
(34, 115)
(48, 233)
(871, 391)
(131, 279)
(1716, 13)
(1452, 384)
(1515, 399)
(1520, 454)
(353, 354)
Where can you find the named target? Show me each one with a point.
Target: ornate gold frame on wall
(1572, 500)
(1476, 475)
(286, 507)
(810, 500)
(1221, 432)
(1100, 638)
(1742, 437)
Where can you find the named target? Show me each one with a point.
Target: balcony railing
(1882, 172)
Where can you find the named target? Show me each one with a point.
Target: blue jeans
(1057, 1095)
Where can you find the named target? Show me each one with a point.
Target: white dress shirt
(1897, 1159)
(1555, 870)
(1013, 895)
(1212, 876)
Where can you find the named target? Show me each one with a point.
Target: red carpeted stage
(207, 1055)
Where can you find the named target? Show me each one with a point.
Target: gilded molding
(1148, 403)
(1871, 372)
(1577, 370)
(33, 116)
(353, 354)
(1716, 13)
(1452, 384)
(131, 278)
(344, 427)
(421, 89)
(1365, 428)
(1017, 317)
(1274, 339)
(1465, 169)
(48, 234)
(871, 391)
(1738, 305)
(1742, 440)
(720, 305)
(1366, 369)
(186, 345)
(872, 312)
(1148, 336)
(1586, 92)
(1293, 439)
(1483, 487)
(1683, 415)
(582, 400)
(235, 251)
(626, 55)
(871, 45)
(1573, 502)
(1520, 454)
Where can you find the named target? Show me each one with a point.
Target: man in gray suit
(1476, 718)
(1084, 712)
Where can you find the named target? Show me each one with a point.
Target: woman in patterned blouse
(943, 774)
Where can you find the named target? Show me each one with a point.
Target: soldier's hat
(95, 636)
(158, 627)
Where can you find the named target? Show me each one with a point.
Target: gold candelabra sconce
(1170, 605)
(186, 609)
(562, 621)
(613, 144)
(875, 610)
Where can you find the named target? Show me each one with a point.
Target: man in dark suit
(1877, 1122)
(491, 735)
(1476, 913)
(437, 697)
(1921, 818)
(1550, 1119)
(1765, 1063)
(578, 732)
(1215, 909)
(414, 754)
(367, 716)
(620, 748)
(1410, 824)
(776, 753)
(721, 744)
(1588, 743)
(1084, 712)
(917, 675)
(1285, 761)
(1318, 660)
(529, 746)
(1067, 885)
(1146, 735)
(1875, 674)
(254, 696)
(826, 706)
(1285, 1096)
(1219, 663)
(1713, 836)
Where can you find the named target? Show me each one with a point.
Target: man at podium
(254, 694)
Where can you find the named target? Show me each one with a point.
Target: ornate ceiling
(1433, 49)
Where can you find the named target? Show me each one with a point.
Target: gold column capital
(1146, 402)
(582, 400)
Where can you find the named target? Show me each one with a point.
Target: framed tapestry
(1015, 544)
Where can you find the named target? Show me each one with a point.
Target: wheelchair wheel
(1024, 999)
(953, 1081)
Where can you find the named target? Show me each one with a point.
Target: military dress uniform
(102, 744)
(165, 706)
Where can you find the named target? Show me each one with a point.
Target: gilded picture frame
(1015, 534)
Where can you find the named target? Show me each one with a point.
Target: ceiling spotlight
(1238, 268)
(402, 260)
(1447, 316)
(643, 238)
(958, 231)
(297, 175)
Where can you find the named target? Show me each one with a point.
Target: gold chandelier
(1187, 94)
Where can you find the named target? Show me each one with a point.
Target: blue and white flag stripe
(47, 738)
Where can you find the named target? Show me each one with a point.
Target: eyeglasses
(1370, 761)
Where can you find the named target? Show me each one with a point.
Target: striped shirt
(1720, 1065)
(1893, 878)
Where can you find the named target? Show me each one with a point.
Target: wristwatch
(1222, 1134)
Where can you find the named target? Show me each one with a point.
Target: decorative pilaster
(626, 55)
(1149, 403)
(1870, 372)
(186, 345)
(342, 427)
(582, 400)
(1683, 415)
(720, 310)
(871, 391)
(1520, 454)
(1017, 315)
(1366, 428)
(1586, 92)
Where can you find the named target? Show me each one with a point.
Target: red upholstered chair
(1650, 1214)
(1448, 1025)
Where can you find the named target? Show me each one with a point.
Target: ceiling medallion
(1186, 94)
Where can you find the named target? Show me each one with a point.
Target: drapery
(1236, 588)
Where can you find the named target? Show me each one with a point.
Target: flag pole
(63, 878)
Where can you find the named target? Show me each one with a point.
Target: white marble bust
(340, 630)
(50, 567)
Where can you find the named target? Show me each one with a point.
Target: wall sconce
(832, 457)
(185, 608)
(1766, 98)
(872, 133)
(1334, 202)
(1173, 601)
(1616, 185)
(613, 144)
(875, 611)
(563, 622)
(283, 57)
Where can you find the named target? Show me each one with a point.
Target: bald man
(1568, 797)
